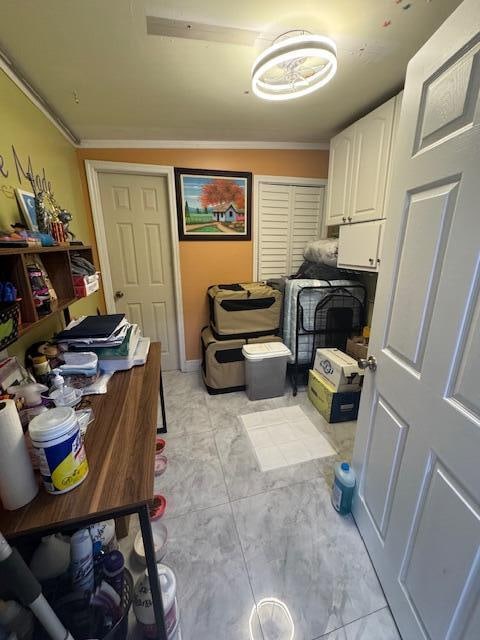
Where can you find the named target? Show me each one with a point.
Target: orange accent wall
(205, 263)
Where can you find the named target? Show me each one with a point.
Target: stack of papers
(117, 343)
(91, 331)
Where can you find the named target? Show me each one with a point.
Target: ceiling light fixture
(297, 63)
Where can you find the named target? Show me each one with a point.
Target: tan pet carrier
(247, 310)
(223, 365)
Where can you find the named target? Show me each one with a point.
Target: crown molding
(200, 144)
(8, 66)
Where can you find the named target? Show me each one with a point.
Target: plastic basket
(73, 613)
(9, 319)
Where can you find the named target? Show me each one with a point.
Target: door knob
(118, 295)
(368, 363)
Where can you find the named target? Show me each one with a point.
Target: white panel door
(359, 245)
(417, 448)
(339, 176)
(373, 137)
(137, 227)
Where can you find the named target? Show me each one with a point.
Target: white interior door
(137, 228)
(417, 449)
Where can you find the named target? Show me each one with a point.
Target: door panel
(137, 226)
(425, 445)
(428, 216)
(431, 574)
(384, 455)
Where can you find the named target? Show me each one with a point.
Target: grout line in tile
(246, 568)
(167, 518)
(325, 635)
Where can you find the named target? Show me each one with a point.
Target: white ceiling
(133, 86)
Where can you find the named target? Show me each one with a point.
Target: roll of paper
(17, 481)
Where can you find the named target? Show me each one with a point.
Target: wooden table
(120, 447)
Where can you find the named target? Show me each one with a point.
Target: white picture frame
(26, 204)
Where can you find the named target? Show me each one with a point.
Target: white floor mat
(282, 437)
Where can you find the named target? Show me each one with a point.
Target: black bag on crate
(247, 310)
(223, 366)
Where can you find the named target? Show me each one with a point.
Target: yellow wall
(206, 263)
(32, 134)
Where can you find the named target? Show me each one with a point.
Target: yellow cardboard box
(333, 406)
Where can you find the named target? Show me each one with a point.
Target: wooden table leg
(149, 547)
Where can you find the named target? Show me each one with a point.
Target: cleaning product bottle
(113, 566)
(62, 394)
(82, 561)
(105, 533)
(98, 560)
(343, 486)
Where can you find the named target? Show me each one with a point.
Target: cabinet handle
(370, 260)
(344, 219)
(349, 218)
(378, 260)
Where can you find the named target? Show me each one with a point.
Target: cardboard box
(338, 369)
(333, 406)
(357, 347)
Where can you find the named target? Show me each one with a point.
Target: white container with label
(339, 369)
(57, 441)
(143, 605)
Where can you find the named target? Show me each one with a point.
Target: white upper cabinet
(373, 136)
(360, 246)
(339, 176)
(358, 168)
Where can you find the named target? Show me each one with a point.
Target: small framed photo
(26, 204)
(213, 205)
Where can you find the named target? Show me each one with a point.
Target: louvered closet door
(289, 217)
(274, 240)
(307, 219)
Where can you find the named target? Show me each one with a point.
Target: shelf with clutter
(43, 268)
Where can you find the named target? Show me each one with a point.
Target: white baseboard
(192, 365)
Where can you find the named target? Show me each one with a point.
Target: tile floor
(260, 555)
(284, 437)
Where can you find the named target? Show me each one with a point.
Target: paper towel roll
(17, 481)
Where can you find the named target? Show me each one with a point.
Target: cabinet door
(339, 176)
(359, 246)
(373, 136)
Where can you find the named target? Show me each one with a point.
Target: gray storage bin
(265, 369)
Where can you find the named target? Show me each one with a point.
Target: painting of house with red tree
(213, 204)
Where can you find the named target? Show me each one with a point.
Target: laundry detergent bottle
(343, 486)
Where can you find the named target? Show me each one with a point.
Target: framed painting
(213, 205)
(26, 204)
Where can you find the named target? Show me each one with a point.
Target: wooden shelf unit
(57, 263)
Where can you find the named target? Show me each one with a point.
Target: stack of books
(118, 344)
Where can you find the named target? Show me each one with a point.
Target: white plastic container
(265, 369)
(51, 559)
(104, 532)
(143, 606)
(56, 438)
